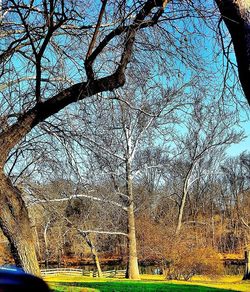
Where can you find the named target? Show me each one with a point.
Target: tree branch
(77, 197)
(79, 91)
(88, 67)
(236, 16)
(103, 232)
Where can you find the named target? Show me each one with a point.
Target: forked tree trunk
(93, 251)
(132, 265)
(97, 262)
(15, 223)
(247, 266)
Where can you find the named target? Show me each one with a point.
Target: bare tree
(31, 31)
(204, 134)
(116, 131)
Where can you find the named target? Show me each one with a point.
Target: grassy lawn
(148, 283)
(135, 286)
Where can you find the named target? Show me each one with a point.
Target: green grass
(64, 288)
(132, 286)
(65, 283)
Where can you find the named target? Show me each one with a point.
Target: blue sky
(211, 44)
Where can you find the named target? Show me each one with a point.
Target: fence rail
(70, 271)
(61, 271)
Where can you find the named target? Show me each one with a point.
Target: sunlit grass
(71, 279)
(148, 283)
(62, 288)
(234, 283)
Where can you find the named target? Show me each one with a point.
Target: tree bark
(132, 266)
(14, 221)
(36, 238)
(236, 15)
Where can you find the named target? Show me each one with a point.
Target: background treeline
(116, 114)
(190, 198)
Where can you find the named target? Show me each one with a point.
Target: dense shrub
(180, 257)
(185, 262)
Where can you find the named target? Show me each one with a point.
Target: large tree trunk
(132, 266)
(14, 221)
(36, 238)
(236, 15)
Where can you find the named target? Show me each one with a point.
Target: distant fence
(69, 271)
(62, 271)
(114, 274)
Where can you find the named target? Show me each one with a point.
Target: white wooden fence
(114, 274)
(70, 271)
(57, 271)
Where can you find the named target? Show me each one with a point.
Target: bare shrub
(185, 262)
(180, 257)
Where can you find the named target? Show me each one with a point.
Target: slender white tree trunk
(181, 210)
(132, 267)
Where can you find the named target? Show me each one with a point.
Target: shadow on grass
(138, 287)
